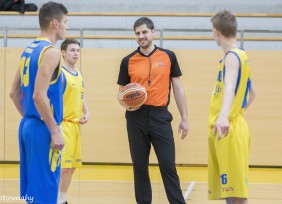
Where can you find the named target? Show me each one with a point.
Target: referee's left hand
(183, 127)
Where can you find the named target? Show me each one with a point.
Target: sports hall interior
(104, 29)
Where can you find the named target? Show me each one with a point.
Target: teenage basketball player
(38, 96)
(229, 137)
(75, 113)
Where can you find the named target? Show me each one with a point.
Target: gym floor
(113, 184)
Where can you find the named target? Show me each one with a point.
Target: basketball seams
(134, 89)
(135, 99)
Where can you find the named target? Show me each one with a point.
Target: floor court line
(189, 189)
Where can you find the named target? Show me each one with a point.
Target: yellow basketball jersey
(73, 95)
(241, 91)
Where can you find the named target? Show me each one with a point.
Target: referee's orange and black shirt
(154, 72)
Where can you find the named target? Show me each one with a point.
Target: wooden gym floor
(109, 184)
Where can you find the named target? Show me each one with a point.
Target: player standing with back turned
(229, 136)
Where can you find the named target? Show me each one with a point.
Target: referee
(156, 69)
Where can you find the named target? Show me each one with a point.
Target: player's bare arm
(86, 114)
(15, 92)
(180, 99)
(230, 79)
(49, 62)
(252, 95)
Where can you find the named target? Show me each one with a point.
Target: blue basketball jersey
(30, 61)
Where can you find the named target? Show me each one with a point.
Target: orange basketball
(133, 95)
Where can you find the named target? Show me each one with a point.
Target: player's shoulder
(233, 54)
(79, 73)
(54, 49)
(51, 51)
(236, 51)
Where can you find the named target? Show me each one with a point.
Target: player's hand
(183, 127)
(84, 119)
(221, 126)
(57, 141)
(119, 100)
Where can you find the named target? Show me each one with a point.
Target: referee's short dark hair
(144, 20)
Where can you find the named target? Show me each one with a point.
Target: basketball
(133, 95)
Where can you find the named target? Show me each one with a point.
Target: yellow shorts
(71, 153)
(228, 162)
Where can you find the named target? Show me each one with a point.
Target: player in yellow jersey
(75, 113)
(229, 137)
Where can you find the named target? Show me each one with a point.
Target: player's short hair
(225, 22)
(50, 11)
(144, 20)
(67, 42)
